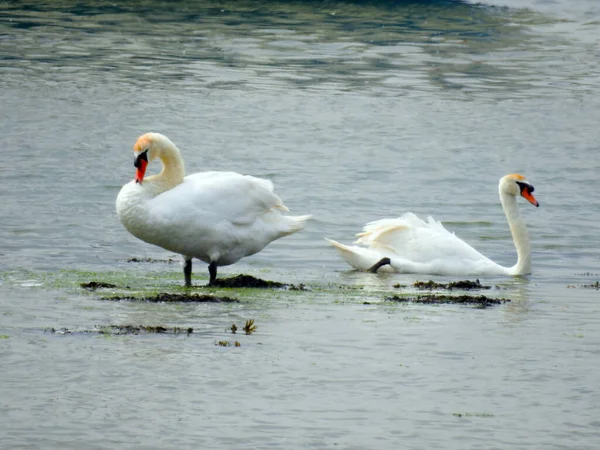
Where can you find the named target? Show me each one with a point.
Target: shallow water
(356, 112)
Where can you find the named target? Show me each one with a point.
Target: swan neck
(173, 170)
(519, 233)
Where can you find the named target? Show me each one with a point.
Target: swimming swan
(411, 245)
(217, 217)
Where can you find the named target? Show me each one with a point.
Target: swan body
(409, 244)
(217, 217)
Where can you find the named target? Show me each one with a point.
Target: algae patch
(118, 330)
(464, 285)
(173, 298)
(480, 301)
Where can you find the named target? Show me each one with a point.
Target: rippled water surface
(356, 111)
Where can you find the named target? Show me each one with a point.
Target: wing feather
(416, 240)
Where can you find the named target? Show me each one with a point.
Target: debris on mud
(297, 287)
(248, 281)
(481, 414)
(151, 260)
(118, 330)
(227, 344)
(93, 285)
(480, 301)
(249, 328)
(464, 285)
(174, 298)
(595, 285)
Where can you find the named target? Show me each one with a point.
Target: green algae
(150, 285)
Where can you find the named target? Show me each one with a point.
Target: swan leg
(212, 271)
(187, 272)
(378, 264)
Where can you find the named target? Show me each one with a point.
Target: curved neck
(519, 234)
(173, 170)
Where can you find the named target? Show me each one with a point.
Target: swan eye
(141, 157)
(525, 186)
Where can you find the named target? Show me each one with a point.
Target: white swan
(410, 245)
(217, 217)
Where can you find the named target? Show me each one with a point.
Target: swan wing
(417, 240)
(218, 196)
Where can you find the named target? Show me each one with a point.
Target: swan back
(417, 240)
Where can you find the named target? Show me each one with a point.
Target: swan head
(148, 147)
(515, 184)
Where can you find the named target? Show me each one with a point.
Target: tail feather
(295, 223)
(358, 257)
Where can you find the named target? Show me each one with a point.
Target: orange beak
(526, 194)
(140, 171)
(140, 163)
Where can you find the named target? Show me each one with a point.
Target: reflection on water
(388, 47)
(349, 107)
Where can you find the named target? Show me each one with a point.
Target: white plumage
(421, 246)
(217, 217)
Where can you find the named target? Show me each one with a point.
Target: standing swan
(410, 245)
(217, 217)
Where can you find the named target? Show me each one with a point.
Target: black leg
(187, 272)
(377, 265)
(212, 271)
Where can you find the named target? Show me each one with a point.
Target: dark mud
(119, 330)
(173, 298)
(480, 301)
(463, 285)
(248, 281)
(151, 260)
(93, 285)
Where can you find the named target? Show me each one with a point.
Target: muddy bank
(480, 301)
(93, 285)
(165, 297)
(248, 281)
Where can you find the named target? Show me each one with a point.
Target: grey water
(356, 111)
